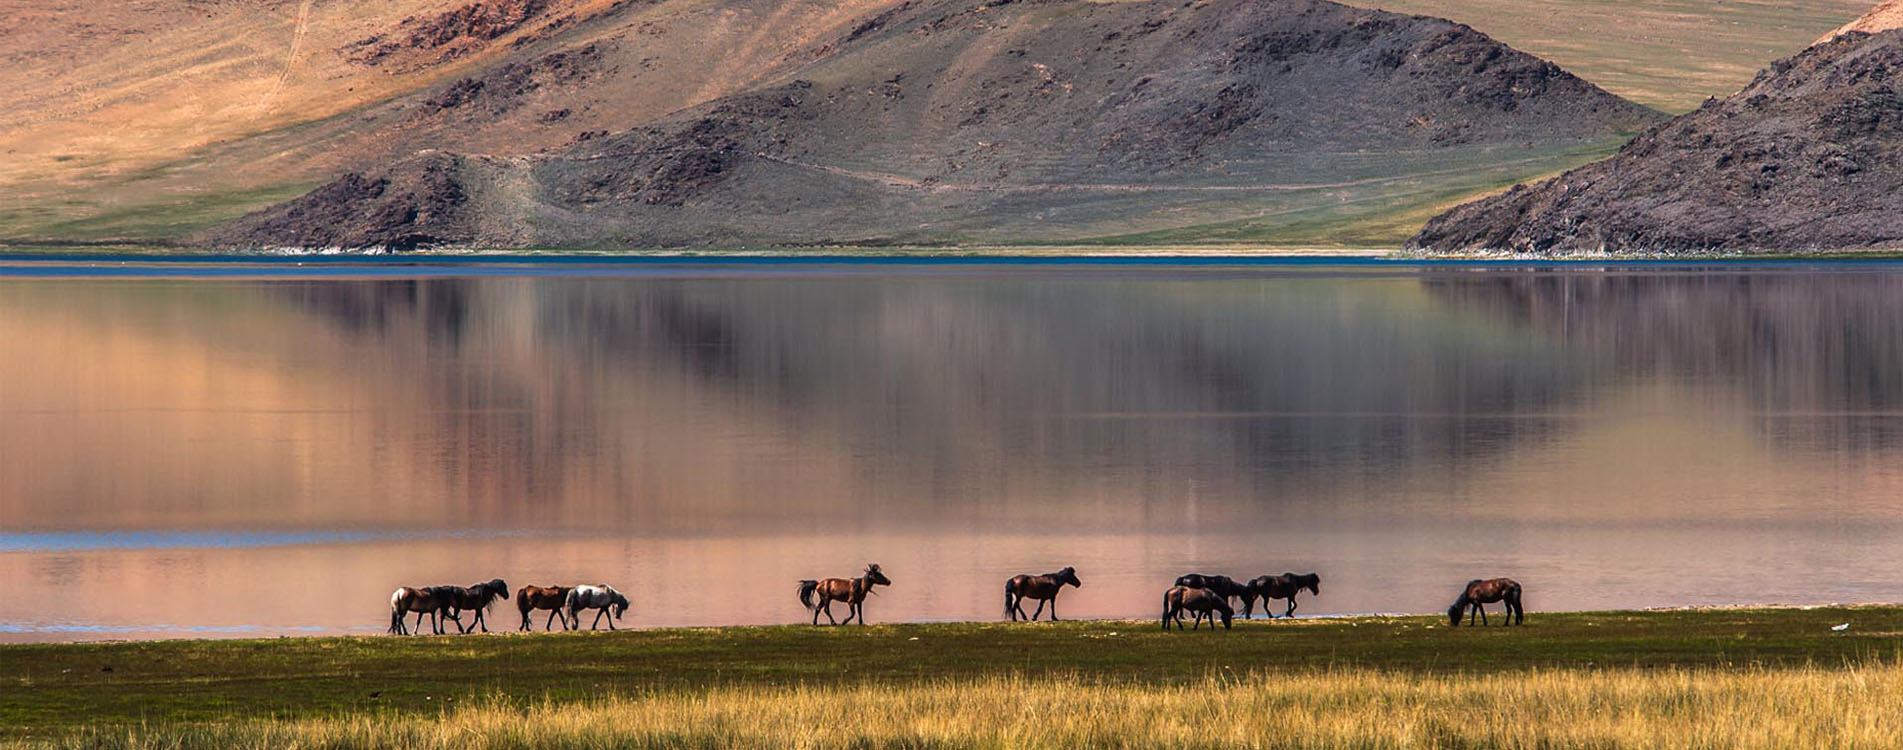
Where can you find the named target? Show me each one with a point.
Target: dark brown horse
(1199, 602)
(1284, 586)
(852, 591)
(1043, 588)
(1222, 586)
(1479, 593)
(475, 598)
(429, 600)
(551, 598)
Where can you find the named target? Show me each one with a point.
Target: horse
(1042, 588)
(1284, 586)
(1222, 586)
(852, 591)
(429, 600)
(1480, 593)
(600, 596)
(476, 598)
(1199, 602)
(551, 598)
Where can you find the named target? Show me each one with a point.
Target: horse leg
(856, 610)
(1483, 613)
(1038, 611)
(596, 625)
(1291, 606)
(1053, 609)
(829, 614)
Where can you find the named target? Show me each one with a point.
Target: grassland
(1714, 678)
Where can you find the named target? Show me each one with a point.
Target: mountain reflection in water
(1624, 437)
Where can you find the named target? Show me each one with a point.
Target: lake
(220, 448)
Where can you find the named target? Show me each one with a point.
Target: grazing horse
(852, 591)
(429, 600)
(1043, 588)
(475, 598)
(1222, 586)
(600, 596)
(1480, 593)
(551, 598)
(1199, 602)
(1284, 586)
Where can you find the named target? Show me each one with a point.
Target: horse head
(495, 590)
(874, 575)
(1454, 612)
(1192, 580)
(620, 603)
(1068, 575)
(1310, 581)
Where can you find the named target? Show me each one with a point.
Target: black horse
(1482, 592)
(1222, 586)
(1283, 586)
(475, 598)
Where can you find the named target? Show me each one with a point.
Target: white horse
(600, 596)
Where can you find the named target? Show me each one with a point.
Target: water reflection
(1611, 438)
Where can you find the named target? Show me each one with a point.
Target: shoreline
(1352, 619)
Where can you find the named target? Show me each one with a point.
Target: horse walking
(1284, 586)
(1043, 588)
(429, 600)
(1480, 593)
(599, 597)
(551, 598)
(852, 591)
(1199, 602)
(475, 598)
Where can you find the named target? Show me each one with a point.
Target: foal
(1480, 593)
(1043, 588)
(532, 598)
(1199, 602)
(852, 591)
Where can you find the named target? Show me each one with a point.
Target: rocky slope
(962, 120)
(1807, 157)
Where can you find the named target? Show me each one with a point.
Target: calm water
(198, 449)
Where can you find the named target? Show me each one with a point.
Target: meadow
(1692, 678)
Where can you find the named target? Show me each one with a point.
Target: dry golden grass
(1844, 707)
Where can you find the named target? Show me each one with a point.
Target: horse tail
(1007, 598)
(396, 610)
(807, 587)
(522, 602)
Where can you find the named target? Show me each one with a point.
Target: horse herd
(1202, 596)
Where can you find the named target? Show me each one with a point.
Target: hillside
(962, 121)
(1809, 157)
(143, 122)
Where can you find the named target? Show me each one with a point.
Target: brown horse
(852, 591)
(1043, 588)
(1284, 586)
(429, 600)
(1199, 602)
(1479, 593)
(551, 598)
